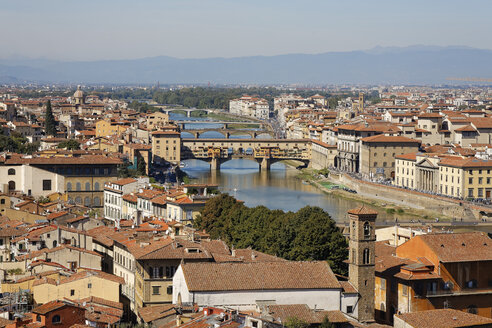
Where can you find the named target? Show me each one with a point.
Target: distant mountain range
(381, 65)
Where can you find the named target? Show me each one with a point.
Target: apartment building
(434, 271)
(166, 147)
(378, 152)
(157, 120)
(81, 177)
(453, 176)
(250, 106)
(113, 193)
(348, 143)
(468, 178)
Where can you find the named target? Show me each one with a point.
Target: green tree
(123, 171)
(49, 120)
(70, 144)
(294, 322)
(17, 144)
(326, 323)
(308, 234)
(141, 166)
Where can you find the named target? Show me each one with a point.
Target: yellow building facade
(80, 285)
(166, 147)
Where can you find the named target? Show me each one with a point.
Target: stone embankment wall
(440, 205)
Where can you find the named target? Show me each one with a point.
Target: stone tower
(362, 242)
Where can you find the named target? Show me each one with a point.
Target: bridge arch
(211, 134)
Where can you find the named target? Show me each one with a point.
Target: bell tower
(362, 240)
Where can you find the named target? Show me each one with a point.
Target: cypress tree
(49, 120)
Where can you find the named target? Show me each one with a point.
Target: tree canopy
(49, 120)
(17, 144)
(308, 234)
(70, 144)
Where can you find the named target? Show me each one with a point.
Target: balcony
(461, 292)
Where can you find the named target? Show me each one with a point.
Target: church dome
(79, 93)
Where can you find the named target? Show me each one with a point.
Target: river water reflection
(277, 189)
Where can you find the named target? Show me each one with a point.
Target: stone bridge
(188, 111)
(263, 151)
(225, 124)
(227, 133)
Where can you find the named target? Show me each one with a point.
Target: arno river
(277, 189)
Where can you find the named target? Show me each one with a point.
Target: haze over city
(95, 30)
(245, 164)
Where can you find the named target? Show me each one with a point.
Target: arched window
(78, 186)
(78, 200)
(69, 186)
(367, 230)
(365, 256)
(96, 186)
(56, 319)
(38, 318)
(87, 186)
(97, 201)
(55, 243)
(11, 172)
(87, 201)
(11, 185)
(353, 229)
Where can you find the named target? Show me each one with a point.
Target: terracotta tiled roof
(481, 122)
(52, 250)
(348, 287)
(259, 276)
(149, 194)
(175, 133)
(48, 307)
(123, 182)
(4, 322)
(466, 128)
(430, 115)
(464, 162)
(362, 210)
(250, 256)
(160, 200)
(8, 231)
(151, 313)
(443, 318)
(323, 144)
(86, 273)
(386, 257)
(459, 247)
(154, 225)
(55, 215)
(101, 234)
(410, 156)
(388, 139)
(76, 219)
(182, 249)
(130, 198)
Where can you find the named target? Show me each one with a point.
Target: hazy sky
(120, 29)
